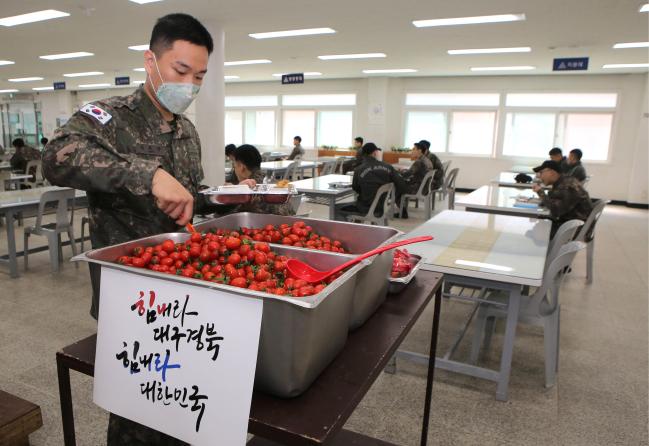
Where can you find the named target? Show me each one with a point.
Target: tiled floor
(600, 398)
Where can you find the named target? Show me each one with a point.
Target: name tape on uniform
(98, 113)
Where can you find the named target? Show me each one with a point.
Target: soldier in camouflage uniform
(416, 173)
(23, 155)
(567, 200)
(438, 179)
(139, 160)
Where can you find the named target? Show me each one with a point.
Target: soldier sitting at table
(438, 179)
(230, 178)
(23, 155)
(417, 171)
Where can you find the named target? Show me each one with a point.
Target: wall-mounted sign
(570, 64)
(295, 78)
(122, 80)
(59, 85)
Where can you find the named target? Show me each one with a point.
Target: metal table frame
(329, 196)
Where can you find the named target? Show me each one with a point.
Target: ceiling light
(93, 85)
(66, 55)
(25, 79)
(42, 88)
(230, 77)
(521, 49)
(139, 69)
(139, 47)
(246, 62)
(292, 33)
(626, 65)
(469, 20)
(398, 70)
(9, 91)
(514, 68)
(306, 73)
(7, 62)
(142, 2)
(644, 8)
(351, 56)
(619, 46)
(87, 73)
(37, 16)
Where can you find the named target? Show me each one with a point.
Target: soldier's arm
(82, 155)
(580, 173)
(356, 181)
(558, 202)
(398, 181)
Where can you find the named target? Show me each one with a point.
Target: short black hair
(578, 153)
(358, 139)
(44, 140)
(299, 138)
(420, 146)
(555, 151)
(18, 142)
(249, 156)
(229, 149)
(425, 144)
(179, 26)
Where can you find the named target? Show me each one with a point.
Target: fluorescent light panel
(143, 2)
(43, 88)
(352, 56)
(139, 69)
(139, 47)
(520, 49)
(93, 85)
(469, 20)
(137, 82)
(31, 17)
(26, 79)
(644, 8)
(12, 90)
(230, 77)
(292, 33)
(7, 62)
(246, 62)
(396, 70)
(306, 73)
(66, 55)
(513, 68)
(619, 46)
(626, 65)
(87, 73)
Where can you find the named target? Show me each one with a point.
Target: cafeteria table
(19, 201)
(15, 179)
(496, 252)
(495, 199)
(318, 187)
(273, 168)
(507, 179)
(5, 165)
(318, 415)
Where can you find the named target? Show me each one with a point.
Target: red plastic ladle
(303, 271)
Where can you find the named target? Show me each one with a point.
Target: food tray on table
(340, 185)
(299, 336)
(241, 193)
(397, 284)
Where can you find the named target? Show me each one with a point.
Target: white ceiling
(554, 28)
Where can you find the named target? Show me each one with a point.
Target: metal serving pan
(299, 336)
(370, 291)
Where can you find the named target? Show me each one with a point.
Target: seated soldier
(438, 179)
(230, 178)
(574, 167)
(567, 200)
(417, 171)
(368, 178)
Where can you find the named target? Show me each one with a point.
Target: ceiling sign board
(570, 64)
(59, 85)
(295, 78)
(123, 80)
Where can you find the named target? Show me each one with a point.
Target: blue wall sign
(295, 78)
(59, 85)
(124, 80)
(570, 64)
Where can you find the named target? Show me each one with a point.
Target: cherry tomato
(238, 282)
(168, 246)
(234, 259)
(138, 250)
(263, 247)
(232, 243)
(306, 290)
(260, 258)
(168, 261)
(205, 256)
(279, 266)
(124, 260)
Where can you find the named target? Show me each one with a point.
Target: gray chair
(265, 156)
(328, 168)
(340, 162)
(449, 187)
(542, 308)
(445, 166)
(424, 193)
(4, 176)
(386, 190)
(565, 234)
(35, 168)
(85, 221)
(587, 235)
(293, 171)
(296, 202)
(53, 230)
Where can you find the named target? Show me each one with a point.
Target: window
(529, 134)
(298, 122)
(577, 100)
(453, 99)
(234, 127)
(251, 101)
(472, 132)
(427, 125)
(310, 100)
(590, 132)
(335, 128)
(259, 128)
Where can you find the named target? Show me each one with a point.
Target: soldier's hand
(249, 182)
(536, 187)
(172, 198)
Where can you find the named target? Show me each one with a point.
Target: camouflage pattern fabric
(297, 150)
(567, 200)
(22, 156)
(438, 179)
(415, 175)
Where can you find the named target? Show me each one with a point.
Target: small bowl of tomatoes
(404, 268)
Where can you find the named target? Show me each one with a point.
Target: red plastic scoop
(190, 228)
(303, 271)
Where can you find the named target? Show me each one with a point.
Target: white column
(638, 187)
(210, 110)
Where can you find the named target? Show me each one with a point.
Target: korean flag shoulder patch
(96, 112)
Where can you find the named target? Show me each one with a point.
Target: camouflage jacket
(577, 170)
(22, 156)
(113, 157)
(297, 151)
(415, 175)
(438, 179)
(567, 200)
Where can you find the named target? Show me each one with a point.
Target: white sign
(177, 358)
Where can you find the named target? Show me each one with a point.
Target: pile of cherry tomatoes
(238, 258)
(402, 263)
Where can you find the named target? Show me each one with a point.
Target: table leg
(431, 366)
(332, 208)
(508, 345)
(11, 245)
(65, 395)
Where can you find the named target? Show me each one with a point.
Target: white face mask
(174, 96)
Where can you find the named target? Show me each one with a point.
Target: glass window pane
(251, 101)
(475, 99)
(589, 100)
(431, 126)
(234, 127)
(298, 123)
(589, 132)
(472, 133)
(260, 128)
(310, 100)
(335, 128)
(529, 134)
